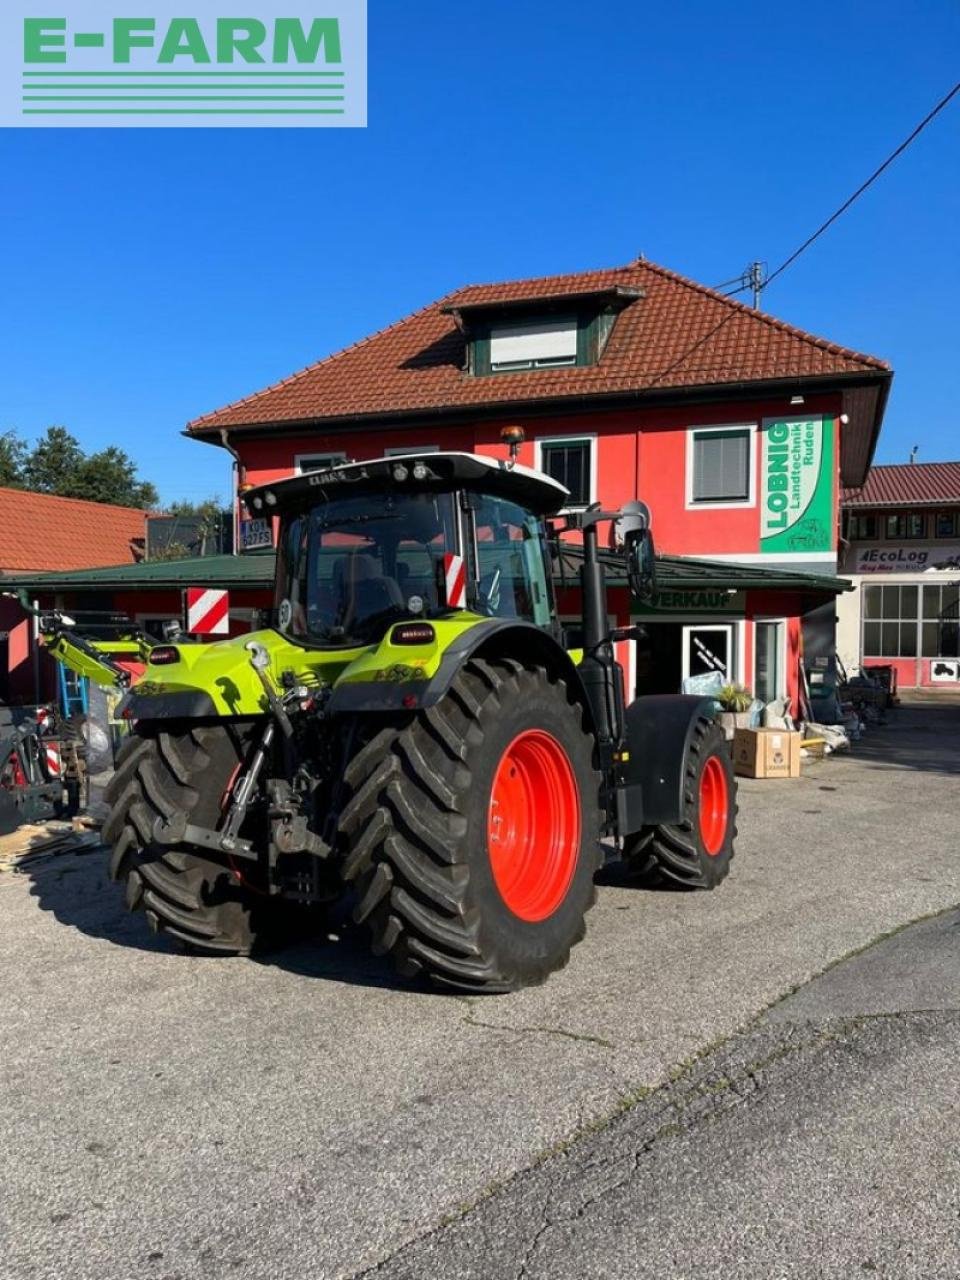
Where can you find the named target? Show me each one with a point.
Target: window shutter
(721, 466)
(545, 340)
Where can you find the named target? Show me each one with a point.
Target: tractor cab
(366, 545)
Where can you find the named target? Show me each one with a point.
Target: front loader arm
(90, 658)
(87, 659)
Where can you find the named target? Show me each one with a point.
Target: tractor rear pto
(415, 727)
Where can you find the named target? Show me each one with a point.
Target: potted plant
(735, 702)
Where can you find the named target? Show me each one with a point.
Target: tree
(111, 476)
(52, 463)
(13, 457)
(58, 465)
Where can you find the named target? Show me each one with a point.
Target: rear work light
(164, 655)
(413, 633)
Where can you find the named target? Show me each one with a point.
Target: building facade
(901, 549)
(734, 427)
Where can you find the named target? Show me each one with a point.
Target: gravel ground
(172, 1117)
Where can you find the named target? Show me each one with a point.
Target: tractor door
(510, 570)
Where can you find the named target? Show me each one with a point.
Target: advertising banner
(898, 557)
(796, 485)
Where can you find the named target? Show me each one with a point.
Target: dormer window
(533, 344)
(507, 334)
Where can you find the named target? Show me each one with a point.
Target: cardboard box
(766, 753)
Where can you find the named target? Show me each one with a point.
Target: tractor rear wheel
(696, 852)
(472, 832)
(206, 906)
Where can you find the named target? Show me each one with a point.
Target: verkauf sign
(905, 558)
(796, 485)
(162, 62)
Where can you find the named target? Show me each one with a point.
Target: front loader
(414, 728)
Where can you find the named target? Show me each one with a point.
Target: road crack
(578, 1036)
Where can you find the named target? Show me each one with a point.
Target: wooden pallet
(34, 841)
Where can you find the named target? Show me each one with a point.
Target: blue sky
(149, 276)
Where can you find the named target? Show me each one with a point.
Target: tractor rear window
(351, 568)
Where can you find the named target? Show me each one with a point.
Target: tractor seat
(363, 589)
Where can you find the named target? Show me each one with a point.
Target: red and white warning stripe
(54, 763)
(208, 611)
(455, 581)
(44, 719)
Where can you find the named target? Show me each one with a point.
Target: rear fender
(659, 729)
(405, 689)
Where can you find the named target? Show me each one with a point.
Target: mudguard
(659, 728)
(404, 688)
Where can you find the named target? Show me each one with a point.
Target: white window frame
(404, 450)
(751, 499)
(329, 460)
(589, 438)
(552, 325)
(736, 627)
(781, 622)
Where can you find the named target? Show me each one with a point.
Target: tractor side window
(511, 579)
(293, 576)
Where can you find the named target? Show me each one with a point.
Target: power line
(869, 182)
(787, 262)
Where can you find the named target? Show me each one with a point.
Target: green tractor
(415, 726)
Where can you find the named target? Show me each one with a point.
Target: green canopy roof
(254, 571)
(679, 573)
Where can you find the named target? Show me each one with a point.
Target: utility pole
(755, 277)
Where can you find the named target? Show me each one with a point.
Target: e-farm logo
(101, 62)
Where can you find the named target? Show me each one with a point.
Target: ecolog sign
(796, 486)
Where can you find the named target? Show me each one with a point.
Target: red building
(735, 427)
(901, 549)
(42, 533)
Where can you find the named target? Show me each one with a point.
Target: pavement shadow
(75, 888)
(921, 736)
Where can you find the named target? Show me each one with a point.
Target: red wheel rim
(714, 807)
(533, 825)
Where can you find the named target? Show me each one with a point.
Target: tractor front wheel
(472, 832)
(694, 853)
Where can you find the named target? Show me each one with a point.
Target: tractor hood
(189, 681)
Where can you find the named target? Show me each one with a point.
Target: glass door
(768, 674)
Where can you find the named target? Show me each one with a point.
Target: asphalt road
(822, 1142)
(169, 1117)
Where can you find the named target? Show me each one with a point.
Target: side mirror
(641, 564)
(633, 518)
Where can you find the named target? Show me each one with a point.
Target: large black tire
(679, 856)
(415, 832)
(202, 904)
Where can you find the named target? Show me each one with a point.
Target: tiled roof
(677, 334)
(41, 532)
(907, 484)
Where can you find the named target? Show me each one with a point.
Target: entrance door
(708, 648)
